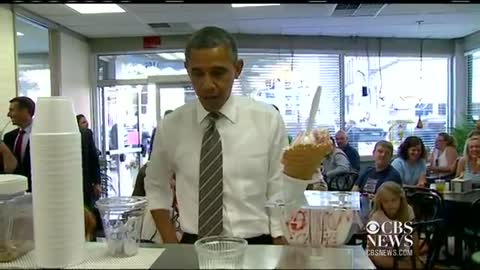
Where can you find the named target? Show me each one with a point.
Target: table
(464, 197)
(274, 257)
(457, 206)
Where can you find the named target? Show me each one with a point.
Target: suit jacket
(90, 166)
(24, 165)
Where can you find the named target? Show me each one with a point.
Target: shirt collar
(229, 110)
(28, 129)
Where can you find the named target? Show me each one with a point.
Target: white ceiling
(395, 20)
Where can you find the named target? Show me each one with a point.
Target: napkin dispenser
(460, 185)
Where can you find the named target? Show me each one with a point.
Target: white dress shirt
(25, 139)
(253, 136)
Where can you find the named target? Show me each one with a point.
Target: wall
(472, 42)
(8, 81)
(74, 72)
(358, 46)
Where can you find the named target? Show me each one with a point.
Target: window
(473, 109)
(290, 82)
(388, 95)
(33, 64)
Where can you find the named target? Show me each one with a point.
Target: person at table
(373, 177)
(390, 204)
(336, 164)
(410, 163)
(444, 157)
(225, 152)
(469, 164)
(352, 153)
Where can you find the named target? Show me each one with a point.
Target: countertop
(274, 257)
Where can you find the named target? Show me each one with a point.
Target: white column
(459, 98)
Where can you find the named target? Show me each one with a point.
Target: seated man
(336, 165)
(352, 153)
(373, 177)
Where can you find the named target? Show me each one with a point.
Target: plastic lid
(12, 183)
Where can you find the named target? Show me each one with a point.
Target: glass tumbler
(220, 252)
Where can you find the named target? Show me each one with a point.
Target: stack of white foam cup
(55, 147)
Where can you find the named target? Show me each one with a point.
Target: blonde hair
(466, 152)
(397, 190)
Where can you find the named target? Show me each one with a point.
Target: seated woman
(443, 159)
(336, 164)
(390, 204)
(410, 163)
(469, 164)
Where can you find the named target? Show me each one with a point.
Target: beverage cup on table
(440, 185)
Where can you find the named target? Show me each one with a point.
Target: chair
(472, 230)
(342, 182)
(428, 207)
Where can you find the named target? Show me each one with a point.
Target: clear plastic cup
(440, 185)
(220, 252)
(122, 219)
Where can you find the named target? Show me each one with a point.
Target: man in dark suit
(21, 113)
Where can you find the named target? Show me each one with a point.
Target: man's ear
(238, 68)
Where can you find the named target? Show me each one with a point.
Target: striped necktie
(210, 207)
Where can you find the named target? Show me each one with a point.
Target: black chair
(428, 207)
(472, 230)
(342, 182)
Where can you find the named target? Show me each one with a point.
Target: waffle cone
(302, 160)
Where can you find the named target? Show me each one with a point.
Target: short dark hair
(385, 144)
(25, 103)
(80, 116)
(409, 142)
(167, 112)
(212, 37)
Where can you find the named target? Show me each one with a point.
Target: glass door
(129, 112)
(172, 91)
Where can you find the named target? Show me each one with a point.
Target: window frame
(342, 68)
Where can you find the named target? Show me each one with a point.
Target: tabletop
(463, 197)
(274, 257)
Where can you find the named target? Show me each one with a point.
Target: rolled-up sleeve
(159, 172)
(280, 186)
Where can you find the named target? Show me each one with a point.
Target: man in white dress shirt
(224, 150)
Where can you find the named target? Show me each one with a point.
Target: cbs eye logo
(373, 227)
